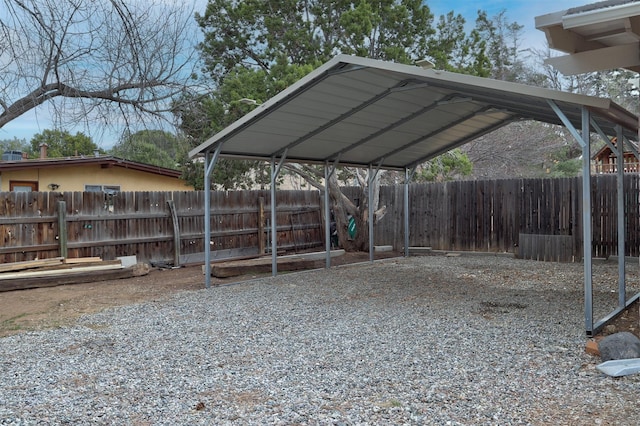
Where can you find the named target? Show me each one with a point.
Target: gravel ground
(424, 340)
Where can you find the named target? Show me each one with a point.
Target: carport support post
(618, 151)
(587, 233)
(209, 164)
(275, 171)
(370, 208)
(408, 175)
(622, 290)
(584, 139)
(327, 216)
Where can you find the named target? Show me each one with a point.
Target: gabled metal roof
(364, 112)
(598, 36)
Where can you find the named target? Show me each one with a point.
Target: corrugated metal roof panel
(371, 111)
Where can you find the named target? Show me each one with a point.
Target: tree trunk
(343, 208)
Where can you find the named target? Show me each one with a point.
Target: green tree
(14, 144)
(61, 143)
(255, 34)
(202, 117)
(155, 147)
(502, 42)
(445, 167)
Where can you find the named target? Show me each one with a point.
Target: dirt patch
(42, 308)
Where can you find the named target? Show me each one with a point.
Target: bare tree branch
(94, 61)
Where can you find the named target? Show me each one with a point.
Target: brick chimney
(43, 150)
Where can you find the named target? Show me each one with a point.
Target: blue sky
(522, 12)
(519, 11)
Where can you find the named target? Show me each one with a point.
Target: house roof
(606, 150)
(102, 161)
(597, 36)
(364, 112)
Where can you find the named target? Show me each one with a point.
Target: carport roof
(363, 112)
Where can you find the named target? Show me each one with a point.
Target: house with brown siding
(605, 161)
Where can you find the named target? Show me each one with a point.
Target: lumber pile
(59, 271)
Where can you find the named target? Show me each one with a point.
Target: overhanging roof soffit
(569, 41)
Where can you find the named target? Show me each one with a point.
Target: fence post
(176, 232)
(62, 228)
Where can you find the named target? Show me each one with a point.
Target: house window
(109, 192)
(22, 186)
(108, 189)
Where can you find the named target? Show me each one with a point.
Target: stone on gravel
(623, 345)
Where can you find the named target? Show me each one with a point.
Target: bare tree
(117, 61)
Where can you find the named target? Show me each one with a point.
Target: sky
(522, 12)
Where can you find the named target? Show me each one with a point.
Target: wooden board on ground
(262, 265)
(73, 276)
(43, 270)
(30, 264)
(75, 260)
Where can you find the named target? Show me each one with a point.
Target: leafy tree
(61, 143)
(155, 147)
(445, 167)
(201, 117)
(254, 33)
(14, 144)
(564, 162)
(93, 62)
(502, 40)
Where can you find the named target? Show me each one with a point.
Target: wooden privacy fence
(533, 218)
(154, 226)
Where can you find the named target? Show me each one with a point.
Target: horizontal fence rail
(532, 218)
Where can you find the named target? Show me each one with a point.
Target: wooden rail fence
(154, 226)
(533, 218)
(493, 216)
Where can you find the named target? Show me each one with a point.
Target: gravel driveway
(424, 340)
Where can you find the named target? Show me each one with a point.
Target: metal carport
(361, 112)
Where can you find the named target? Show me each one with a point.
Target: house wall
(75, 178)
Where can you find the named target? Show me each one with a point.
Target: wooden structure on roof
(605, 160)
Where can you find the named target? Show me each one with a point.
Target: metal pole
(275, 170)
(207, 223)
(370, 189)
(327, 216)
(407, 178)
(586, 222)
(622, 291)
(209, 164)
(274, 260)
